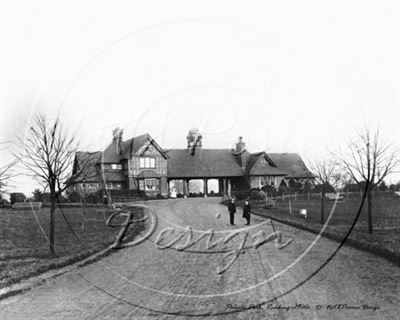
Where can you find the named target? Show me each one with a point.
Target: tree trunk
(369, 201)
(84, 217)
(322, 204)
(51, 235)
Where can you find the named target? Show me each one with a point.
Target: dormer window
(147, 163)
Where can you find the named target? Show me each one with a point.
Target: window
(147, 162)
(113, 186)
(116, 166)
(141, 184)
(151, 184)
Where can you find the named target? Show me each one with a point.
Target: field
(24, 248)
(386, 219)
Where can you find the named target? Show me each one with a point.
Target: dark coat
(232, 207)
(246, 210)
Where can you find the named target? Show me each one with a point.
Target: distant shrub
(74, 197)
(256, 194)
(17, 197)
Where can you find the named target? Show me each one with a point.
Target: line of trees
(367, 160)
(327, 176)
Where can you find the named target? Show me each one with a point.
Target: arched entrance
(196, 188)
(213, 187)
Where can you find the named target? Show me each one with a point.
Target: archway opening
(213, 187)
(196, 188)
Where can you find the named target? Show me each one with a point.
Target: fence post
(290, 206)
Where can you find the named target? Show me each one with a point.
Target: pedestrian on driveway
(232, 210)
(246, 212)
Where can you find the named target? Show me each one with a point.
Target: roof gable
(292, 164)
(133, 146)
(85, 166)
(260, 164)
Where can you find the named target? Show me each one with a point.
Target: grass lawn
(386, 219)
(24, 248)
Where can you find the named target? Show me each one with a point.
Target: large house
(141, 164)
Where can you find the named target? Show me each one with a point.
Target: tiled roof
(88, 160)
(93, 173)
(292, 164)
(132, 146)
(129, 147)
(149, 174)
(205, 163)
(269, 169)
(110, 155)
(114, 176)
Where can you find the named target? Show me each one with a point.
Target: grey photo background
(287, 76)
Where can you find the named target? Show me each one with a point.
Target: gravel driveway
(272, 281)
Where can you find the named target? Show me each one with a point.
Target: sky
(288, 76)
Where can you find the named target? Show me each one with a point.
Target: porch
(204, 187)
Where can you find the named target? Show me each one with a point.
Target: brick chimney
(117, 138)
(194, 140)
(240, 145)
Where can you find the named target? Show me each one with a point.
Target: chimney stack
(240, 145)
(194, 140)
(117, 138)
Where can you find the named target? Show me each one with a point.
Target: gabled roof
(204, 163)
(129, 147)
(85, 166)
(93, 172)
(292, 164)
(110, 155)
(268, 169)
(251, 168)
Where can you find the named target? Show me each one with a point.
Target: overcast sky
(287, 76)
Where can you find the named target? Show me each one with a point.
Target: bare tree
(326, 174)
(6, 172)
(48, 153)
(368, 159)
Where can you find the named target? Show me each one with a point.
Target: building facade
(141, 164)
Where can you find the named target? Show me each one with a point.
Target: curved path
(146, 282)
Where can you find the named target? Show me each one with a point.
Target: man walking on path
(246, 212)
(232, 210)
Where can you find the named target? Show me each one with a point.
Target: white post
(290, 206)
